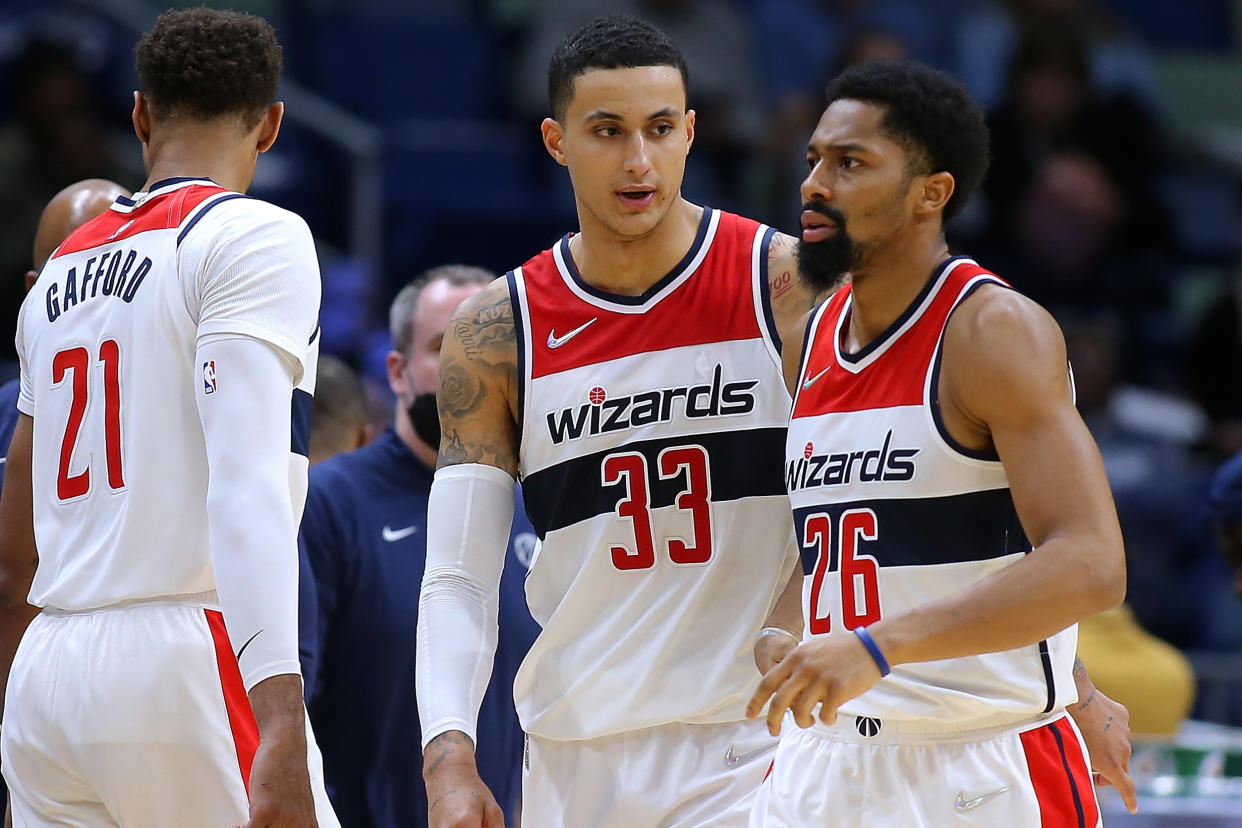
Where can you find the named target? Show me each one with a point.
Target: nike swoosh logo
(733, 759)
(814, 379)
(391, 535)
(555, 342)
(964, 804)
(247, 644)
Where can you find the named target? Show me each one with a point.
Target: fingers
(774, 679)
(803, 707)
(1125, 787)
(781, 701)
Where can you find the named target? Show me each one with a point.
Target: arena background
(1115, 198)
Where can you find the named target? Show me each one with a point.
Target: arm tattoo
(478, 380)
(446, 744)
(1090, 699)
(1080, 669)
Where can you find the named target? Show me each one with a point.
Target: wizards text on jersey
(886, 464)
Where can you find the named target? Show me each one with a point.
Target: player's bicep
(18, 555)
(791, 297)
(1010, 371)
(477, 381)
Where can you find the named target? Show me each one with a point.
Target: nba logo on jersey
(209, 377)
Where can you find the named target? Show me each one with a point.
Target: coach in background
(365, 533)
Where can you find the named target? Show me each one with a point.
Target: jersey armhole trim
(933, 381)
(808, 336)
(763, 288)
(519, 331)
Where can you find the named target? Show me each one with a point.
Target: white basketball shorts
(865, 772)
(132, 716)
(671, 776)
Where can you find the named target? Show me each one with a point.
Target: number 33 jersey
(891, 513)
(652, 428)
(107, 339)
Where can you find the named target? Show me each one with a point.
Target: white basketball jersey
(651, 437)
(892, 513)
(107, 341)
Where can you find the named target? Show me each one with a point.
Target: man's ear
(141, 117)
(553, 136)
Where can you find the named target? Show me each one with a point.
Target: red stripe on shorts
(236, 702)
(1060, 777)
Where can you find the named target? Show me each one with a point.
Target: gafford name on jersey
(116, 273)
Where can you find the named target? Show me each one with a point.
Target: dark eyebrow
(666, 112)
(845, 147)
(602, 115)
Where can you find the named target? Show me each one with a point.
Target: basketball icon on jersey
(209, 377)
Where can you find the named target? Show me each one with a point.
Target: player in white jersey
(933, 432)
(630, 376)
(168, 353)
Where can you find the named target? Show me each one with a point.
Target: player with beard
(952, 508)
(365, 536)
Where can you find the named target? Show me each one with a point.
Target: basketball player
(952, 509)
(630, 377)
(167, 351)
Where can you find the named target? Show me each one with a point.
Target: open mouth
(637, 196)
(817, 227)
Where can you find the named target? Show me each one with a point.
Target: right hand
(456, 796)
(280, 790)
(771, 648)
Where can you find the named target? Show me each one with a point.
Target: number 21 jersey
(652, 428)
(107, 339)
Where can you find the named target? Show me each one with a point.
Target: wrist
(873, 649)
(452, 748)
(778, 633)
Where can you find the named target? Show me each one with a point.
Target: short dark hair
(930, 113)
(613, 42)
(401, 312)
(206, 64)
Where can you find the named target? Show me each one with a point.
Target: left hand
(827, 671)
(1105, 727)
(771, 649)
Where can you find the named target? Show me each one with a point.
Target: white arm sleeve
(250, 514)
(469, 514)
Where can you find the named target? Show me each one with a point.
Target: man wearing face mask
(364, 534)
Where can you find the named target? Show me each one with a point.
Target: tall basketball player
(167, 352)
(952, 509)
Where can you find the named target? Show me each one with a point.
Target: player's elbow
(1104, 578)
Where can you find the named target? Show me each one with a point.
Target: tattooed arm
(477, 391)
(469, 514)
(791, 298)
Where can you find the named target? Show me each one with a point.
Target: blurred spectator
(1143, 437)
(1117, 60)
(1214, 362)
(57, 138)
(724, 80)
(339, 419)
(364, 534)
(1049, 107)
(1225, 500)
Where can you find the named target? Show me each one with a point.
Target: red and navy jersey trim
(519, 330)
(765, 288)
(649, 293)
(911, 309)
(189, 225)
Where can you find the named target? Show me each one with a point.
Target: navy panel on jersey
(302, 406)
(742, 463)
(976, 526)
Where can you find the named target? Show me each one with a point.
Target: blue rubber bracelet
(874, 649)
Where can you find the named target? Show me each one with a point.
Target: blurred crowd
(1100, 203)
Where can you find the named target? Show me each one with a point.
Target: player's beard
(425, 418)
(823, 265)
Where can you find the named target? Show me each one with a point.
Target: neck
(628, 266)
(202, 152)
(885, 286)
(405, 430)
